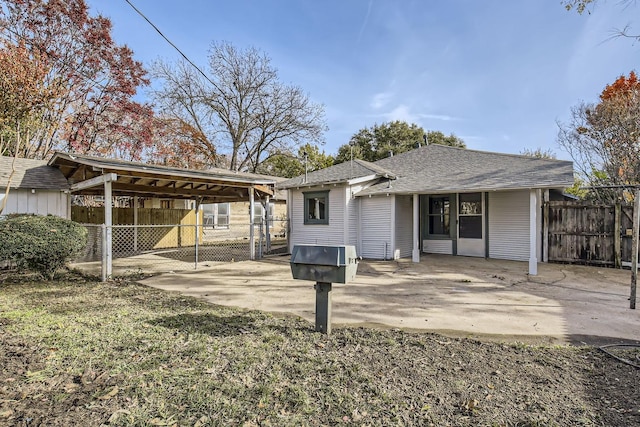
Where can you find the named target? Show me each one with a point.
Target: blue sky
(497, 73)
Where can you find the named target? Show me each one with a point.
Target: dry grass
(78, 352)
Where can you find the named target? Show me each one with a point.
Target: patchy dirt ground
(82, 353)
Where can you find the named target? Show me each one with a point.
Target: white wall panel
(509, 225)
(318, 234)
(40, 202)
(443, 246)
(375, 227)
(404, 226)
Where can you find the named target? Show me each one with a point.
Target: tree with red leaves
(604, 138)
(92, 81)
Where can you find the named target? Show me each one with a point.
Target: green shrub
(42, 244)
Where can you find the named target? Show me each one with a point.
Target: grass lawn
(79, 352)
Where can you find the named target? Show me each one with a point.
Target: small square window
(316, 207)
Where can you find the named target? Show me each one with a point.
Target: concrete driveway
(457, 296)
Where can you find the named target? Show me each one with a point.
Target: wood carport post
(106, 179)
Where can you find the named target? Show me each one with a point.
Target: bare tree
(582, 6)
(604, 138)
(242, 107)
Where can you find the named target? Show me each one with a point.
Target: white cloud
(403, 113)
(442, 117)
(381, 99)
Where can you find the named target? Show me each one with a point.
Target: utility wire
(170, 42)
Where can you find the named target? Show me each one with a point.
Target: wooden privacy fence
(585, 233)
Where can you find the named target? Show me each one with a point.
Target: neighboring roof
(139, 179)
(340, 173)
(438, 169)
(31, 174)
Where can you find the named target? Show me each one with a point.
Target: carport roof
(139, 179)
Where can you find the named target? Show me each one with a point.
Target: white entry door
(471, 232)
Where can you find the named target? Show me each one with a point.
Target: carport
(89, 175)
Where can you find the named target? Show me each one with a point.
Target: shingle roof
(109, 163)
(31, 173)
(338, 173)
(439, 168)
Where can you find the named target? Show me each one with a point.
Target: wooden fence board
(588, 234)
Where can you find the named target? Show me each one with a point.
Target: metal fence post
(197, 237)
(103, 257)
(260, 240)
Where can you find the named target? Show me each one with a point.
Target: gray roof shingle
(338, 173)
(31, 173)
(439, 169)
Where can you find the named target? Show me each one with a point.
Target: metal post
(108, 222)
(252, 245)
(103, 254)
(266, 224)
(260, 240)
(634, 250)
(135, 224)
(196, 236)
(323, 307)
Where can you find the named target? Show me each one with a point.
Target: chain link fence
(149, 249)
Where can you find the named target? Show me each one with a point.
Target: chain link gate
(150, 249)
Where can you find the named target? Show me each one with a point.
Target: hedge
(43, 244)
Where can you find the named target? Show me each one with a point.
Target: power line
(170, 42)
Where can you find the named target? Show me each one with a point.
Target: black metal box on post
(324, 265)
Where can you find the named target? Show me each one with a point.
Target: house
(35, 188)
(434, 199)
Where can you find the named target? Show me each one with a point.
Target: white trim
(415, 253)
(359, 248)
(392, 231)
(347, 200)
(361, 179)
(365, 193)
(533, 235)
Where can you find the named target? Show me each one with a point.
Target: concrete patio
(457, 296)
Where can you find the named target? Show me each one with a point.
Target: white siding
(443, 246)
(404, 226)
(509, 225)
(40, 202)
(318, 234)
(375, 227)
(353, 210)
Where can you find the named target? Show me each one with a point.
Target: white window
(316, 207)
(258, 212)
(216, 215)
